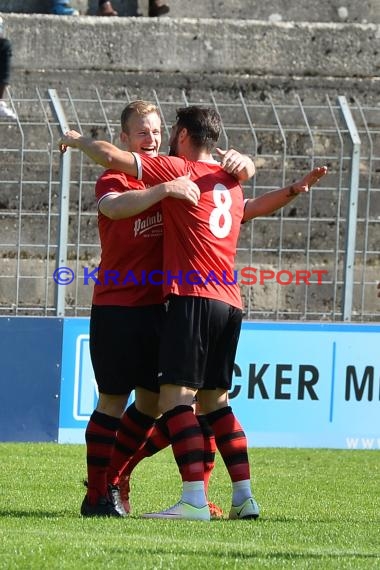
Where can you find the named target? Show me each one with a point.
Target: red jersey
(131, 249)
(199, 241)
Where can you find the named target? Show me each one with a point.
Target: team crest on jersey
(149, 223)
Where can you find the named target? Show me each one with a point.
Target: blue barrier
(78, 387)
(309, 385)
(30, 377)
(295, 384)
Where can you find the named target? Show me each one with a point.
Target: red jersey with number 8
(199, 241)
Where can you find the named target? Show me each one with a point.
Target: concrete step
(285, 10)
(167, 45)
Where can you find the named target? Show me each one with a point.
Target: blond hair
(138, 107)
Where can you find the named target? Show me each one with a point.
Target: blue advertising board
(295, 384)
(30, 356)
(79, 392)
(309, 385)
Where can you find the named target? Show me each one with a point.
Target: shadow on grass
(36, 514)
(318, 520)
(139, 517)
(262, 554)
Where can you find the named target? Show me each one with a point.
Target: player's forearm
(132, 202)
(268, 203)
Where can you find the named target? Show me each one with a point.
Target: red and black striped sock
(231, 442)
(135, 428)
(158, 439)
(209, 449)
(100, 440)
(187, 442)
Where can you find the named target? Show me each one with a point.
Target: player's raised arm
(272, 201)
(101, 152)
(239, 165)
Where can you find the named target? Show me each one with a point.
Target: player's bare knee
(147, 402)
(172, 396)
(111, 404)
(212, 400)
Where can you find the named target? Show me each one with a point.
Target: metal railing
(48, 210)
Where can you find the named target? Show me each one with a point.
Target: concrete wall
(192, 46)
(288, 10)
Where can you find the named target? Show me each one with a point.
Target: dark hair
(202, 124)
(138, 107)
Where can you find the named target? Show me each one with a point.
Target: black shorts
(199, 342)
(124, 347)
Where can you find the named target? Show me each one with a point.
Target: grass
(320, 509)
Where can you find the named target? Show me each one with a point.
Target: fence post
(64, 187)
(352, 211)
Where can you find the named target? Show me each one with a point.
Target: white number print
(220, 221)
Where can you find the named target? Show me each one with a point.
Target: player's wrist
(292, 192)
(164, 190)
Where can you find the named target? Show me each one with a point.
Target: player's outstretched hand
(68, 139)
(311, 178)
(184, 189)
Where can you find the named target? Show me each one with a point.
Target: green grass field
(320, 509)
